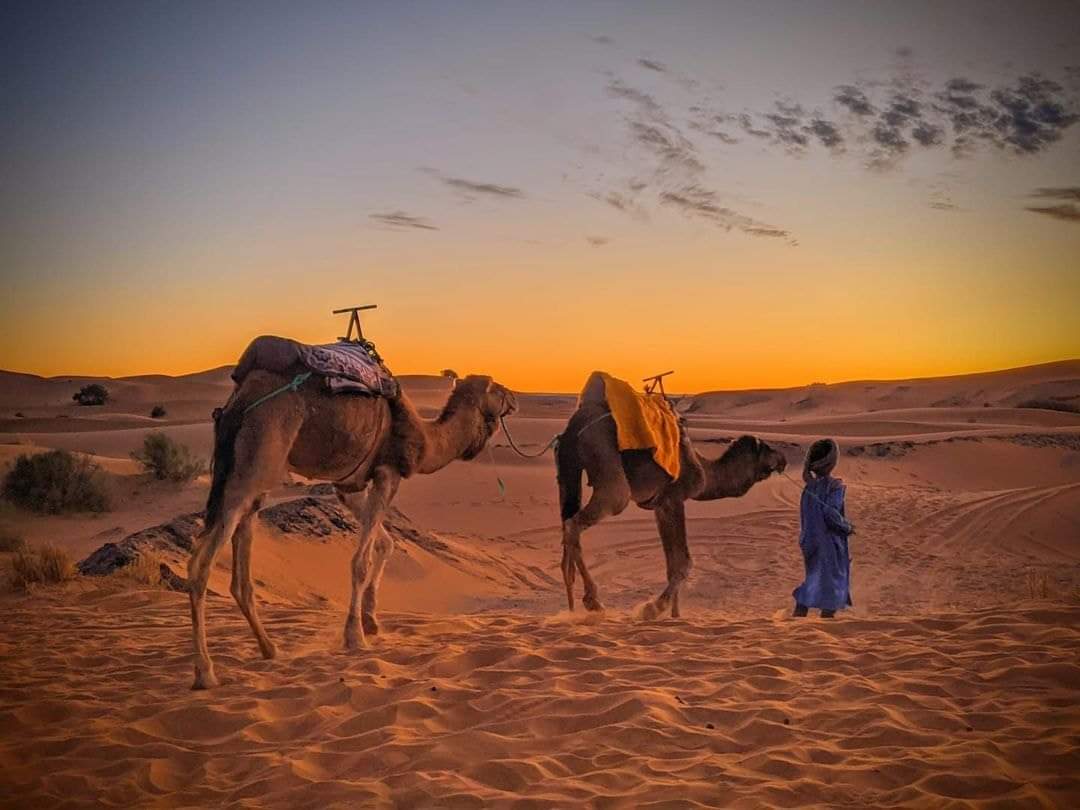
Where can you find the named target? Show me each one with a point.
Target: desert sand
(953, 682)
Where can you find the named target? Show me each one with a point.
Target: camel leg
(671, 522)
(242, 589)
(382, 548)
(368, 507)
(260, 449)
(609, 498)
(202, 559)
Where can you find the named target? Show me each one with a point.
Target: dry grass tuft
(145, 569)
(9, 541)
(46, 565)
(1038, 584)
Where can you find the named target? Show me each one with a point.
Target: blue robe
(823, 540)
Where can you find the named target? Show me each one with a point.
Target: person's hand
(851, 528)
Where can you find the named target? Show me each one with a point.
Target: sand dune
(963, 709)
(953, 681)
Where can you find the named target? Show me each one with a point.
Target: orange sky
(536, 195)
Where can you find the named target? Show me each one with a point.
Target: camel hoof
(355, 643)
(593, 604)
(205, 680)
(650, 611)
(371, 627)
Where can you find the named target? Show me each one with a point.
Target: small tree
(168, 460)
(158, 412)
(93, 394)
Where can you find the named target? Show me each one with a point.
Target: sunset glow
(545, 193)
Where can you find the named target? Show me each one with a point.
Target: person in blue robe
(823, 536)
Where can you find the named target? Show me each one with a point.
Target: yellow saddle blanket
(644, 422)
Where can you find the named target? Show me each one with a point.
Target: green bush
(93, 394)
(9, 541)
(168, 460)
(56, 481)
(45, 566)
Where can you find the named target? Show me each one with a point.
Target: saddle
(642, 421)
(348, 366)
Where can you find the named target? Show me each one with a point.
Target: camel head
(492, 400)
(769, 461)
(763, 460)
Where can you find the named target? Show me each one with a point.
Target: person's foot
(828, 614)
(800, 610)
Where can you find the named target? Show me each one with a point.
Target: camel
(589, 444)
(364, 445)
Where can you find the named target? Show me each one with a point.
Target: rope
(297, 381)
(554, 441)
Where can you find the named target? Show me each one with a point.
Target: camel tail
(569, 467)
(227, 423)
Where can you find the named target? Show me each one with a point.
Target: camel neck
(450, 437)
(727, 477)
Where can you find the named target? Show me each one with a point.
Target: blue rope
(297, 381)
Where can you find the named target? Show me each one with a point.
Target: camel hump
(269, 353)
(594, 391)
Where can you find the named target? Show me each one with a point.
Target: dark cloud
(704, 203)
(927, 134)
(854, 100)
(943, 205)
(649, 64)
(825, 131)
(471, 189)
(401, 220)
(603, 39)
(597, 241)
(1033, 114)
(647, 104)
(1060, 193)
(1065, 212)
(747, 124)
(675, 151)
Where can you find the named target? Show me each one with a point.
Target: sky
(754, 194)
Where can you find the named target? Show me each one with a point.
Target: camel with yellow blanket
(632, 447)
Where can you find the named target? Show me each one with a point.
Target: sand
(953, 682)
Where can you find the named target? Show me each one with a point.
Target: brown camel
(589, 444)
(364, 445)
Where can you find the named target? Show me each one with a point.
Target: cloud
(1061, 193)
(470, 189)
(402, 221)
(1065, 212)
(854, 100)
(827, 132)
(943, 205)
(704, 203)
(649, 64)
(602, 39)
(597, 241)
(675, 151)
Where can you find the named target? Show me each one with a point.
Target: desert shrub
(168, 460)
(44, 566)
(93, 394)
(158, 412)
(20, 415)
(56, 481)
(449, 373)
(9, 541)
(1049, 405)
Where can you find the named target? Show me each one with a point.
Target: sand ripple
(966, 709)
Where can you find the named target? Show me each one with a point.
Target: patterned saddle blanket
(348, 367)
